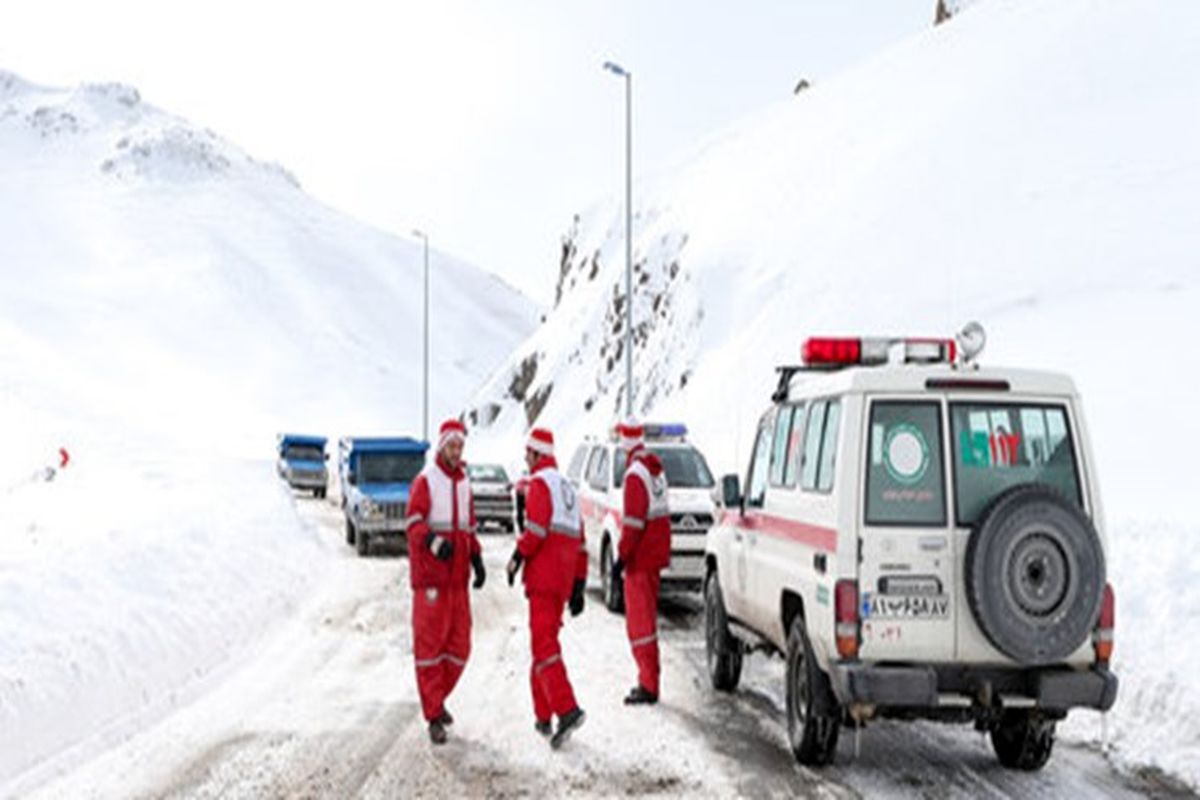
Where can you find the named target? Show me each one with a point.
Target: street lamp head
(616, 69)
(418, 234)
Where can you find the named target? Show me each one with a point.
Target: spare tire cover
(1035, 575)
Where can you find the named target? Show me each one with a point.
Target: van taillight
(1102, 639)
(845, 607)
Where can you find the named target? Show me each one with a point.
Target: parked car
(919, 537)
(492, 492)
(300, 460)
(375, 475)
(597, 469)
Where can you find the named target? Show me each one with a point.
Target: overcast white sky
(486, 122)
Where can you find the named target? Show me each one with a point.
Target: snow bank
(1030, 165)
(167, 305)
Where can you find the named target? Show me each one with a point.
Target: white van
(919, 537)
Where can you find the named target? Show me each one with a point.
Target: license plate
(907, 606)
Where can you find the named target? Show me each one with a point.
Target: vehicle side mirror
(352, 479)
(731, 491)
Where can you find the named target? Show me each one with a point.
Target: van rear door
(906, 574)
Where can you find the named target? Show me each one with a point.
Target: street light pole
(425, 361)
(619, 71)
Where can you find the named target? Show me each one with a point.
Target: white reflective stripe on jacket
(441, 501)
(564, 517)
(656, 490)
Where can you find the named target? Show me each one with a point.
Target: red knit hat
(540, 441)
(632, 435)
(451, 429)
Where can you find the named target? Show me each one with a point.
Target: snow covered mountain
(167, 305)
(1030, 165)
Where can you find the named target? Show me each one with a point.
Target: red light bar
(844, 351)
(831, 351)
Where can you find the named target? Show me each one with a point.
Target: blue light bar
(658, 431)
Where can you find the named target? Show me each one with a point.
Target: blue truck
(301, 462)
(375, 475)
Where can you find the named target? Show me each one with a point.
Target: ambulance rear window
(1000, 445)
(905, 480)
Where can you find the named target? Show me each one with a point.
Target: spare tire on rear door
(1035, 575)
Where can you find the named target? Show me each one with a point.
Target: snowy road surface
(327, 708)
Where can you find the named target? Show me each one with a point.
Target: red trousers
(441, 644)
(641, 623)
(552, 693)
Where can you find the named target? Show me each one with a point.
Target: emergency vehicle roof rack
(789, 371)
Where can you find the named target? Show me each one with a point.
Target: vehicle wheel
(614, 591)
(320, 494)
(813, 723)
(1035, 575)
(349, 532)
(722, 650)
(1023, 740)
(362, 543)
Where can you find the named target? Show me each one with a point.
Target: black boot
(567, 724)
(640, 697)
(446, 718)
(437, 732)
(543, 727)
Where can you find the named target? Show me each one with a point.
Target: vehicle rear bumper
(307, 482)
(925, 686)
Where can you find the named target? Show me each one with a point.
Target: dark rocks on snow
(523, 377)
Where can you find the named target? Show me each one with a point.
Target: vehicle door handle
(819, 562)
(737, 536)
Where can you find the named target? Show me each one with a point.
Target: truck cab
(375, 476)
(300, 460)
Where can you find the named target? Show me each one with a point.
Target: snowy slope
(167, 304)
(1030, 165)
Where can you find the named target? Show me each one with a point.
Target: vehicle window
(756, 482)
(303, 452)
(684, 467)
(592, 463)
(487, 473)
(599, 477)
(779, 444)
(905, 479)
(618, 467)
(795, 440)
(389, 467)
(829, 447)
(999, 446)
(575, 470)
(811, 455)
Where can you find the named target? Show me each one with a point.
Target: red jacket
(451, 515)
(554, 551)
(646, 524)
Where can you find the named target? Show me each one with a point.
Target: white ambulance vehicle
(598, 471)
(919, 537)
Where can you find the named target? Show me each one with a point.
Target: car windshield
(684, 467)
(487, 473)
(303, 452)
(389, 467)
(998, 446)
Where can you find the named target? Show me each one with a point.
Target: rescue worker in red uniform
(442, 550)
(551, 548)
(643, 552)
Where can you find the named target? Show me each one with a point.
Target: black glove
(441, 547)
(514, 566)
(576, 603)
(618, 573)
(480, 572)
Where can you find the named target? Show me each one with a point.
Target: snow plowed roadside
(124, 588)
